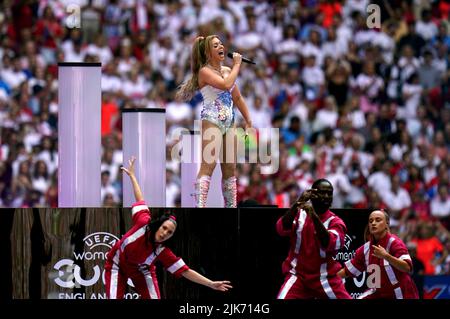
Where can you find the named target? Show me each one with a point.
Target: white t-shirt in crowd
(440, 208)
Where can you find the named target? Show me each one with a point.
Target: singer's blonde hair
(201, 52)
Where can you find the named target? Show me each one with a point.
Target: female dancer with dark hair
(386, 257)
(220, 93)
(135, 254)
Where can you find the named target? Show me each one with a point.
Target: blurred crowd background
(365, 107)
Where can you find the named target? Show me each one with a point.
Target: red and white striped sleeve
(355, 266)
(140, 213)
(284, 232)
(399, 250)
(173, 264)
(336, 230)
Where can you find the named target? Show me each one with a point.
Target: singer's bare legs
(216, 145)
(228, 165)
(211, 146)
(229, 148)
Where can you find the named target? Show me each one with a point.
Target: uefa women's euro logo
(85, 269)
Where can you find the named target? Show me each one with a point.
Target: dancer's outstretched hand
(221, 285)
(130, 169)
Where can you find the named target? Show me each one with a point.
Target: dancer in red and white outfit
(386, 254)
(134, 256)
(316, 235)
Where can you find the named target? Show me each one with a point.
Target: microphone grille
(230, 55)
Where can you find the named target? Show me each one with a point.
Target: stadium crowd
(365, 106)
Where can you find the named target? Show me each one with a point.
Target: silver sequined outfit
(217, 107)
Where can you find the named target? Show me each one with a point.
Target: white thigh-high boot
(229, 191)
(201, 190)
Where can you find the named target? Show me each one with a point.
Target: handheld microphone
(230, 55)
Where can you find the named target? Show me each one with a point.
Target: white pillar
(144, 136)
(79, 134)
(190, 165)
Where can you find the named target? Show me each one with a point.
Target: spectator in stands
(440, 205)
(413, 39)
(429, 76)
(106, 187)
(426, 27)
(41, 178)
(293, 132)
(430, 250)
(397, 200)
(313, 78)
(370, 86)
(338, 76)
